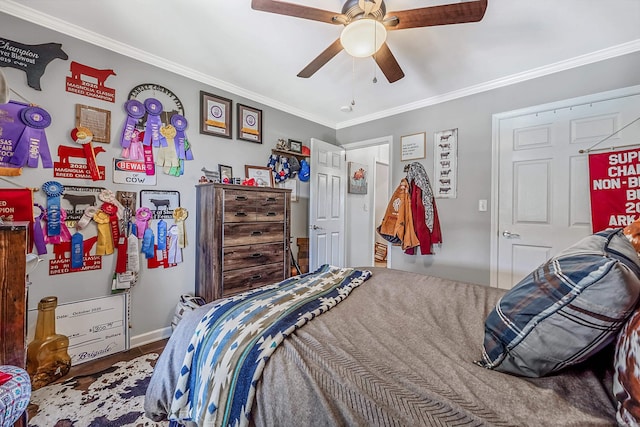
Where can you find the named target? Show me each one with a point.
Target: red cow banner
(614, 178)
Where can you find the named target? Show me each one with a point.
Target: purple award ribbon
(53, 190)
(162, 235)
(135, 111)
(38, 234)
(152, 129)
(180, 123)
(33, 141)
(77, 250)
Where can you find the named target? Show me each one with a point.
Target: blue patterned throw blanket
(233, 341)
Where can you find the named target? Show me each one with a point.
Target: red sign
(614, 179)
(66, 168)
(92, 85)
(17, 205)
(61, 264)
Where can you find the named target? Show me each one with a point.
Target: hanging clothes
(397, 224)
(424, 212)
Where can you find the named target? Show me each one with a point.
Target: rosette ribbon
(135, 111)
(53, 191)
(167, 156)
(64, 235)
(143, 216)
(86, 218)
(112, 210)
(183, 148)
(109, 196)
(33, 141)
(152, 128)
(38, 235)
(77, 250)
(83, 136)
(135, 151)
(179, 216)
(104, 245)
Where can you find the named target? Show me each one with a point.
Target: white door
(327, 193)
(543, 179)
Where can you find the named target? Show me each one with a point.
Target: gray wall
(154, 298)
(465, 252)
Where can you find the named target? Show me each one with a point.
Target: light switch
(482, 205)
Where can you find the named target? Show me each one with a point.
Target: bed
(400, 350)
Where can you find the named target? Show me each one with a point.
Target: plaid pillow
(566, 310)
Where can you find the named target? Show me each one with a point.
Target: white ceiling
(257, 54)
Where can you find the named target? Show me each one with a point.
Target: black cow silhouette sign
(32, 59)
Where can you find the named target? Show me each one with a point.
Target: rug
(113, 397)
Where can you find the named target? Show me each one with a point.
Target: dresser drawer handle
(256, 277)
(241, 214)
(256, 233)
(271, 214)
(242, 198)
(271, 199)
(256, 255)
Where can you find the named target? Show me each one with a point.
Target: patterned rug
(113, 397)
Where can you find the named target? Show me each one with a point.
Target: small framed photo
(263, 175)
(413, 147)
(226, 174)
(249, 124)
(295, 146)
(215, 115)
(97, 120)
(357, 178)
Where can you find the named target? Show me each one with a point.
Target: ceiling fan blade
(334, 49)
(291, 9)
(456, 13)
(388, 64)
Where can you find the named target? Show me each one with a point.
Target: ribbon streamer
(149, 165)
(148, 244)
(64, 235)
(133, 260)
(175, 254)
(112, 210)
(77, 250)
(104, 245)
(143, 216)
(162, 235)
(86, 218)
(167, 156)
(179, 216)
(135, 111)
(83, 136)
(121, 260)
(33, 141)
(53, 190)
(135, 151)
(38, 235)
(152, 128)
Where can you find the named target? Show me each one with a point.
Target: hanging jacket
(425, 213)
(397, 224)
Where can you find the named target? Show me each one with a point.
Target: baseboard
(149, 337)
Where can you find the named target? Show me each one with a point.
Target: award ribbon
(143, 216)
(152, 128)
(167, 156)
(64, 234)
(109, 196)
(86, 218)
(180, 124)
(33, 141)
(83, 136)
(162, 235)
(149, 166)
(148, 243)
(53, 190)
(104, 245)
(112, 210)
(135, 111)
(133, 260)
(38, 235)
(179, 216)
(135, 150)
(175, 254)
(121, 260)
(77, 250)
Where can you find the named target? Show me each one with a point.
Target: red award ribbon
(104, 245)
(149, 166)
(109, 196)
(112, 210)
(83, 136)
(179, 216)
(121, 260)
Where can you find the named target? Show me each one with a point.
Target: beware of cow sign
(130, 172)
(89, 81)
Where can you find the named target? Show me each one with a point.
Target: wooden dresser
(242, 238)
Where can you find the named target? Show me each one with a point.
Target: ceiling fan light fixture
(363, 37)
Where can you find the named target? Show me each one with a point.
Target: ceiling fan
(368, 21)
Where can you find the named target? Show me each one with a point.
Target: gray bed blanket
(400, 351)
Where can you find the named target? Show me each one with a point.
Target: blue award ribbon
(53, 190)
(77, 250)
(162, 235)
(147, 243)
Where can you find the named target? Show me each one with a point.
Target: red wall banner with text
(614, 179)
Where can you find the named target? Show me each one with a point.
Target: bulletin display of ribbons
(614, 179)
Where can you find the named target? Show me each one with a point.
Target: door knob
(315, 227)
(509, 235)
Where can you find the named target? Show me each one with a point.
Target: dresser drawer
(248, 234)
(236, 257)
(241, 280)
(270, 207)
(240, 206)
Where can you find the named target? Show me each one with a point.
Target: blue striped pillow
(566, 310)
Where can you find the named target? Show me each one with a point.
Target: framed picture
(445, 164)
(249, 124)
(226, 174)
(215, 115)
(161, 203)
(97, 120)
(295, 146)
(263, 175)
(413, 147)
(357, 183)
